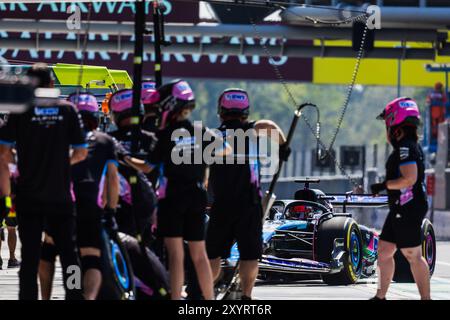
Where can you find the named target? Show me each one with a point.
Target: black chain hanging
(353, 80)
(361, 17)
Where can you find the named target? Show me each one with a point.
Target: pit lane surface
(301, 290)
(364, 289)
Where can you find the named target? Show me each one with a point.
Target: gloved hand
(110, 218)
(376, 188)
(284, 152)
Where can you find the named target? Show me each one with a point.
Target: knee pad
(48, 252)
(91, 262)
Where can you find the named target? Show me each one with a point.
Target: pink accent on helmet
(181, 90)
(150, 96)
(84, 102)
(235, 100)
(398, 110)
(121, 100)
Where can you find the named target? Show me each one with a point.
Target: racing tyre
(334, 235)
(150, 275)
(118, 279)
(402, 270)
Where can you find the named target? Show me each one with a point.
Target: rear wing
(357, 200)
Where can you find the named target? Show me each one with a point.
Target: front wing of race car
(270, 263)
(284, 231)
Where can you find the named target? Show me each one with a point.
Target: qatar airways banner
(174, 65)
(175, 11)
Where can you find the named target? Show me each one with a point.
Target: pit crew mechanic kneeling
(405, 173)
(96, 190)
(236, 213)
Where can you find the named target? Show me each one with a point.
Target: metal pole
(363, 168)
(222, 30)
(432, 209)
(139, 30)
(399, 77)
(268, 200)
(386, 152)
(447, 95)
(157, 33)
(446, 82)
(375, 156)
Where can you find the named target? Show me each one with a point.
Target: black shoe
(13, 263)
(377, 299)
(245, 297)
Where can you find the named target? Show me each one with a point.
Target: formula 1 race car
(308, 237)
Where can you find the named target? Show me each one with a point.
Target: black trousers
(61, 227)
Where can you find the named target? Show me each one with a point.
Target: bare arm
(206, 180)
(407, 179)
(113, 188)
(138, 164)
(5, 158)
(78, 155)
(269, 128)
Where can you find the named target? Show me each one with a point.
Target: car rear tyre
(347, 230)
(402, 270)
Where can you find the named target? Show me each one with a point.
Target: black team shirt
(181, 177)
(43, 137)
(89, 175)
(237, 184)
(413, 198)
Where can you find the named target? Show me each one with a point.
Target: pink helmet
(401, 111)
(84, 102)
(121, 100)
(150, 96)
(234, 101)
(174, 97)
